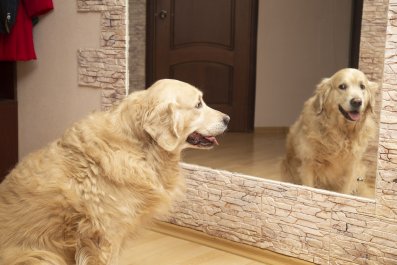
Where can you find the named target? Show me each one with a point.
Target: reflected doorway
(211, 45)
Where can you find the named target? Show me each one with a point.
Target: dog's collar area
(198, 139)
(351, 116)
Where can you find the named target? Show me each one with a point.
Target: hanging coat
(18, 44)
(8, 15)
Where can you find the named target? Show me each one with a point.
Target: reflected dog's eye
(199, 105)
(342, 87)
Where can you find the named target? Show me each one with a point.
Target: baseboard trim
(283, 130)
(265, 256)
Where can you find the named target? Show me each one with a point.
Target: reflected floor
(256, 154)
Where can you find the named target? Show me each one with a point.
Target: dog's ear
(321, 95)
(372, 90)
(163, 125)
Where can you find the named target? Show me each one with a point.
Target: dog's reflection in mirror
(325, 146)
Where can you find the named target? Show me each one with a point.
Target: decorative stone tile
(345, 250)
(113, 33)
(106, 68)
(372, 44)
(386, 188)
(99, 5)
(137, 47)
(223, 206)
(371, 62)
(281, 217)
(351, 204)
(299, 220)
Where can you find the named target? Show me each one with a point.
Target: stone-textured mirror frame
(314, 225)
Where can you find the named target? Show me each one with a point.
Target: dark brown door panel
(210, 44)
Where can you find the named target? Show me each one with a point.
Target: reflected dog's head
(176, 116)
(348, 92)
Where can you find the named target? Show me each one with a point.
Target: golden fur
(324, 149)
(77, 200)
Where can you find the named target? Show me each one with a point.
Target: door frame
(355, 38)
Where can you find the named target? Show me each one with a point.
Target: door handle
(163, 14)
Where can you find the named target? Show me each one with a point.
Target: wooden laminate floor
(153, 248)
(256, 154)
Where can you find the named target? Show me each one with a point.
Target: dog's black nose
(226, 120)
(356, 103)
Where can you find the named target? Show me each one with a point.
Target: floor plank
(255, 154)
(255, 254)
(153, 248)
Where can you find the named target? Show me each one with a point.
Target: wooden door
(8, 118)
(210, 44)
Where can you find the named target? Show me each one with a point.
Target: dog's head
(177, 117)
(347, 92)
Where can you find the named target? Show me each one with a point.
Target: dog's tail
(18, 256)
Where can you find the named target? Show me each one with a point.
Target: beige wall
(48, 95)
(299, 42)
(294, 51)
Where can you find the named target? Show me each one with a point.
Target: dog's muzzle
(353, 115)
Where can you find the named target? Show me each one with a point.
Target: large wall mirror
(258, 61)
(297, 45)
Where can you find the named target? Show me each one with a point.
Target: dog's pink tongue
(212, 139)
(355, 116)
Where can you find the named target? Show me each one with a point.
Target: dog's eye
(342, 86)
(199, 105)
(362, 86)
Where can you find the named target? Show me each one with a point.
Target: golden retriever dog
(77, 200)
(326, 144)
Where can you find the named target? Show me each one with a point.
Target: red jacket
(18, 45)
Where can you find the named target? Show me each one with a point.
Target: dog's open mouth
(350, 115)
(200, 140)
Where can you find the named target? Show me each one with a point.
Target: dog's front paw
(361, 178)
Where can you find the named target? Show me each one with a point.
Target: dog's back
(32, 208)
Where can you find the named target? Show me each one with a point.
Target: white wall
(49, 98)
(299, 43)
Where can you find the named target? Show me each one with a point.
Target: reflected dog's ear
(372, 89)
(163, 124)
(321, 95)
